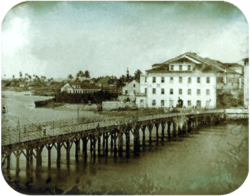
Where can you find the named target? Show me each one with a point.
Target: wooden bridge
(31, 139)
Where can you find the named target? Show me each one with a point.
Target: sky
(55, 39)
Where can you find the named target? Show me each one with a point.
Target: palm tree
(87, 74)
(79, 74)
(21, 75)
(70, 77)
(13, 77)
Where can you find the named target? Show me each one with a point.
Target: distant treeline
(97, 97)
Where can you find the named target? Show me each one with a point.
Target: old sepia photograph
(124, 98)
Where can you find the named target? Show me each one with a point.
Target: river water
(213, 160)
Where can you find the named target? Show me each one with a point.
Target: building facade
(76, 88)
(131, 88)
(188, 77)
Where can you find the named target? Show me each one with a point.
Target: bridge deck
(30, 132)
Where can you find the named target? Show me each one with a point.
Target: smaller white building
(131, 88)
(76, 88)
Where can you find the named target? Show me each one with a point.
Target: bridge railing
(36, 131)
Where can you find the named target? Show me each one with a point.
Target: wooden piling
(77, 148)
(99, 145)
(107, 143)
(127, 142)
(157, 135)
(120, 142)
(162, 131)
(169, 133)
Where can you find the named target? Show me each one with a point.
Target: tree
(29, 76)
(21, 75)
(70, 77)
(137, 74)
(13, 77)
(86, 74)
(79, 74)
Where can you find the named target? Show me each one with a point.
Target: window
(145, 79)
(153, 102)
(219, 79)
(134, 85)
(126, 92)
(141, 100)
(154, 79)
(162, 102)
(172, 67)
(180, 67)
(207, 92)
(162, 80)
(171, 80)
(189, 91)
(208, 80)
(189, 103)
(198, 91)
(180, 79)
(134, 92)
(189, 67)
(171, 91)
(198, 80)
(189, 80)
(162, 91)
(154, 90)
(146, 90)
(180, 91)
(198, 103)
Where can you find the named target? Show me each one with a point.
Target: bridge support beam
(67, 148)
(93, 146)
(136, 140)
(77, 148)
(174, 129)
(27, 158)
(58, 150)
(103, 143)
(17, 155)
(8, 162)
(112, 141)
(162, 131)
(107, 144)
(169, 129)
(127, 142)
(115, 147)
(39, 157)
(99, 145)
(143, 136)
(150, 128)
(49, 147)
(84, 147)
(157, 135)
(120, 142)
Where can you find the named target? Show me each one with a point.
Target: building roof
(233, 65)
(83, 86)
(246, 59)
(207, 65)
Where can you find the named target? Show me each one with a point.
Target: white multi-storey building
(188, 77)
